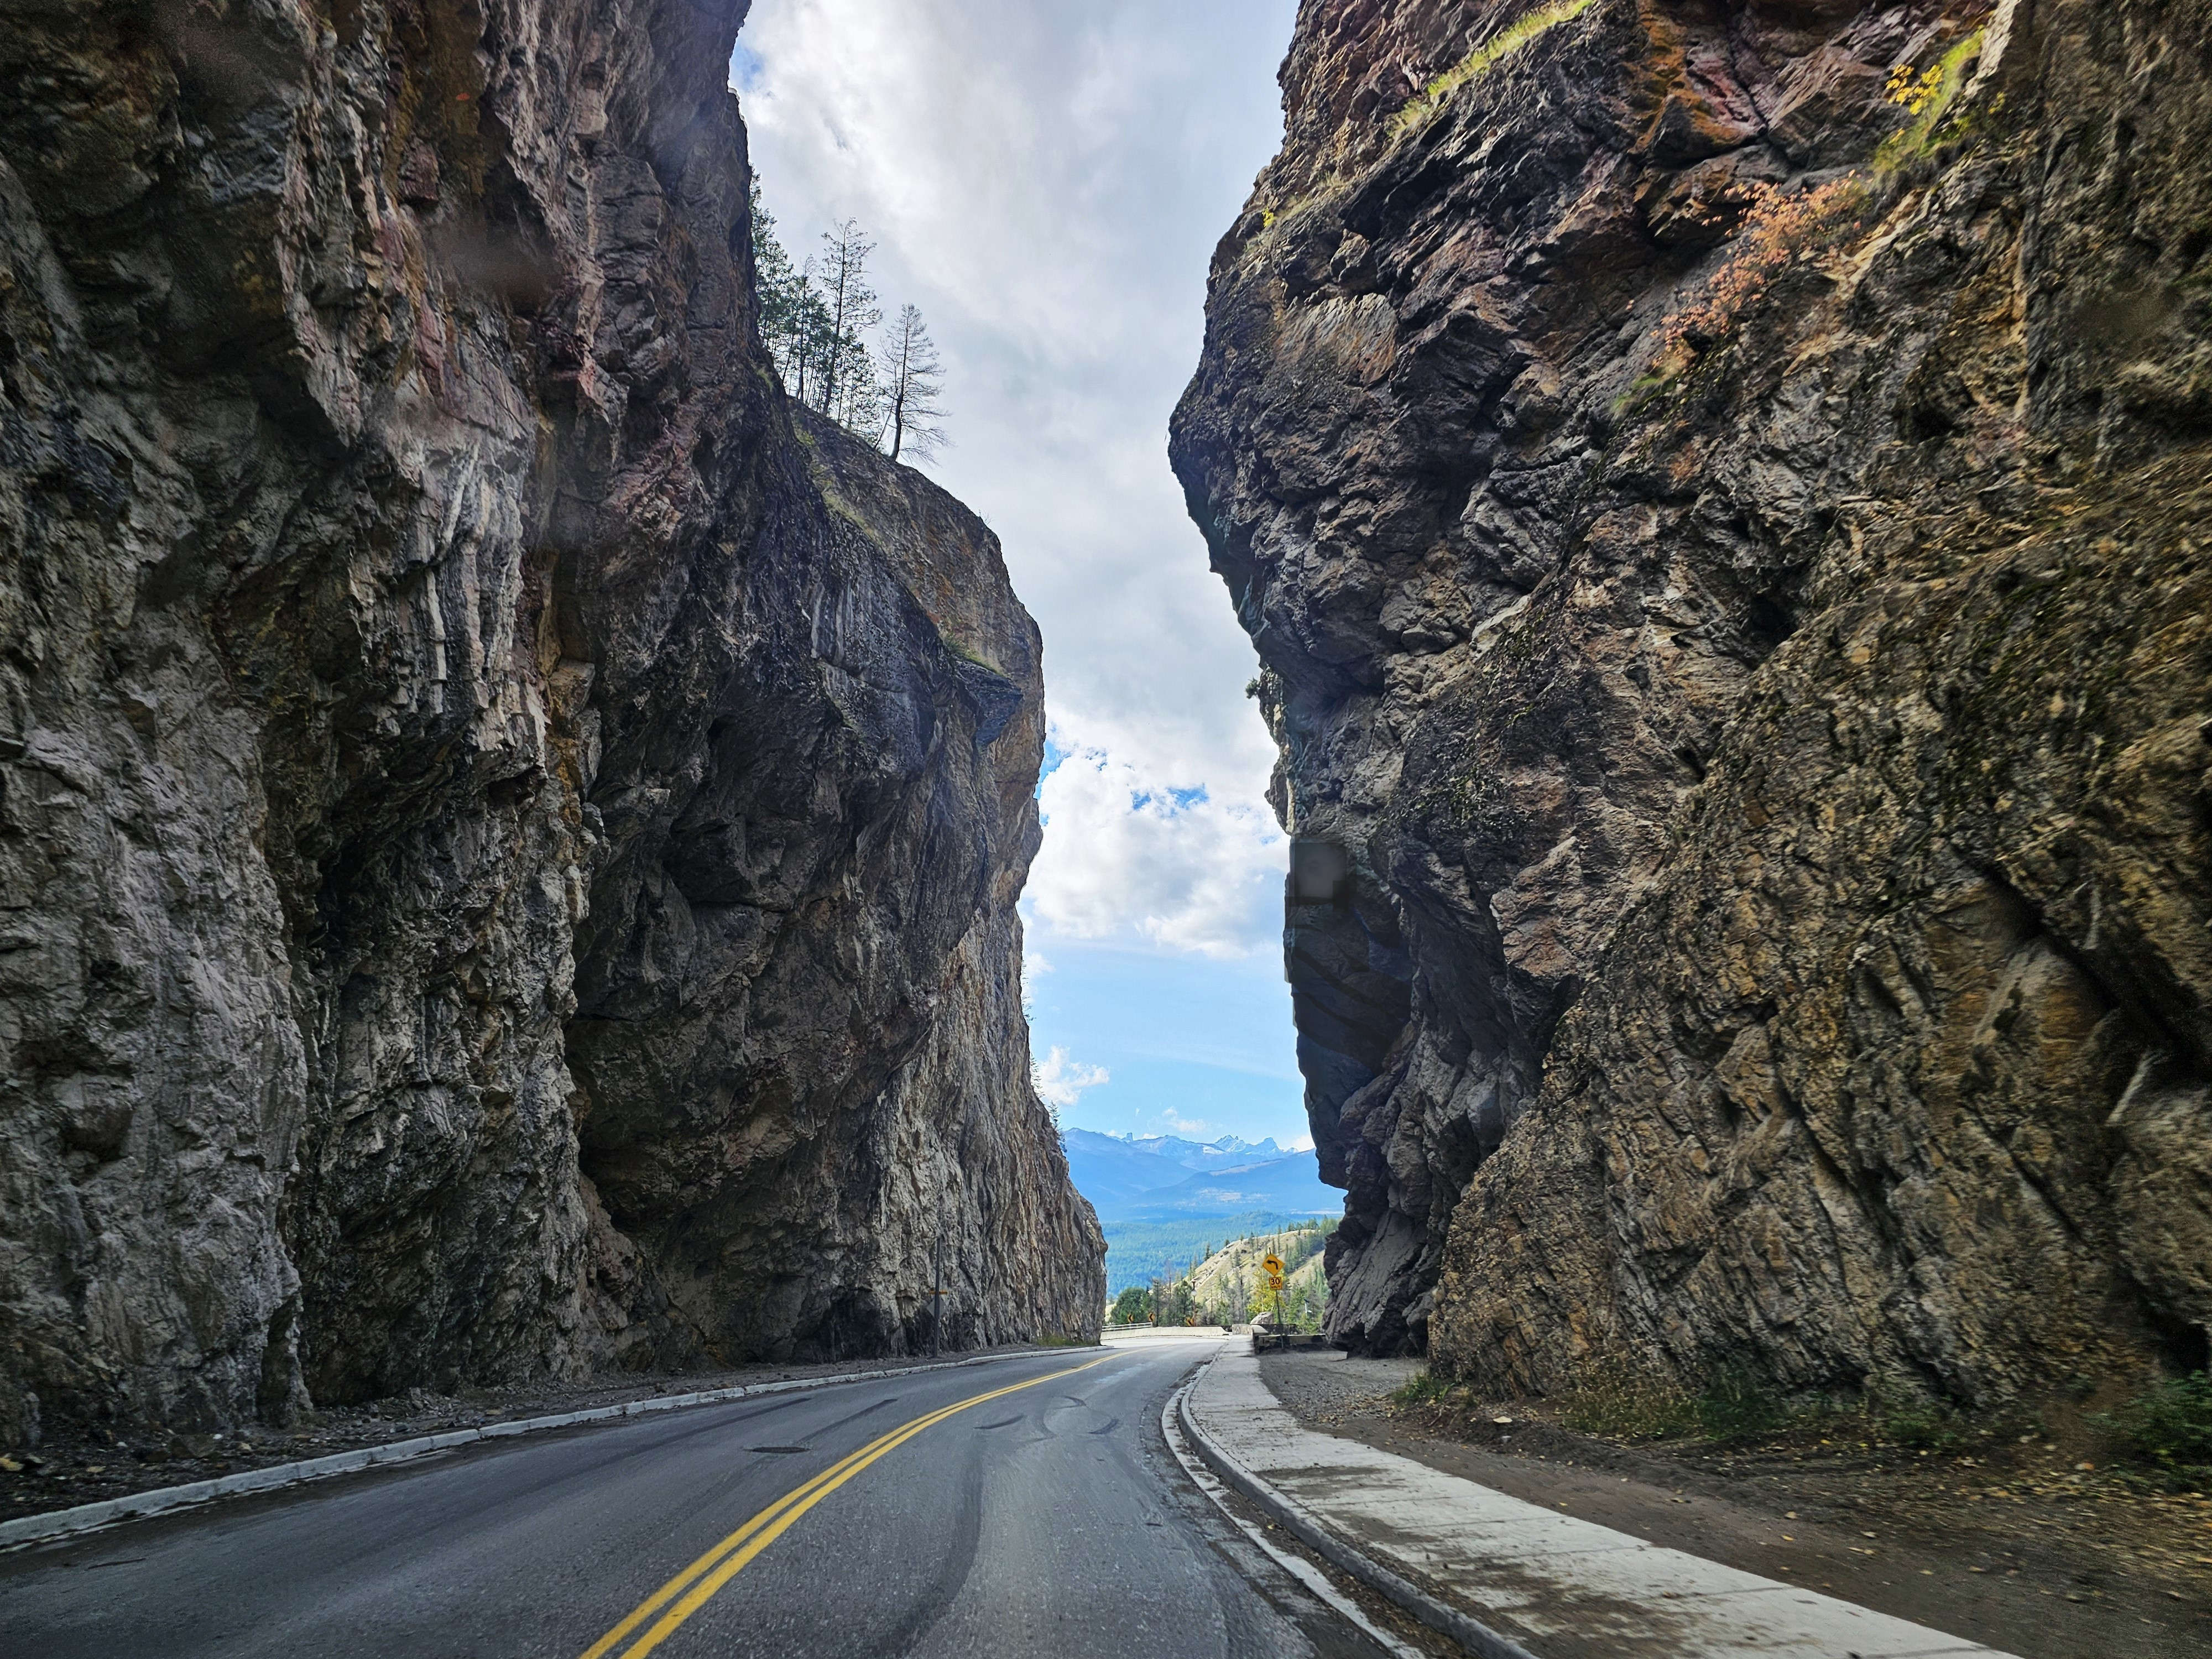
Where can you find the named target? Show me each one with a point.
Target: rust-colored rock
(1728, 555)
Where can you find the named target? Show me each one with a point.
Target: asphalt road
(1045, 1518)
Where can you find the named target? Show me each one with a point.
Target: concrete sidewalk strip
(1316, 1582)
(26, 1529)
(1556, 1584)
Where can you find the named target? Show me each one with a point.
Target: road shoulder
(2016, 1590)
(1563, 1586)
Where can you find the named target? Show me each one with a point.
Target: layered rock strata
(508, 832)
(1719, 493)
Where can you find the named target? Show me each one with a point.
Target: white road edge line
(28, 1529)
(1307, 1576)
(1472, 1634)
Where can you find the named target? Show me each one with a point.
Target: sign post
(1273, 1264)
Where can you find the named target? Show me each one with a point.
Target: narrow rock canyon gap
(509, 829)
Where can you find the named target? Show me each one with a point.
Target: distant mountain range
(1160, 1196)
(1158, 1177)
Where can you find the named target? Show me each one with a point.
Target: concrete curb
(134, 1506)
(1314, 1580)
(1472, 1634)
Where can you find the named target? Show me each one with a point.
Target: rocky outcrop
(508, 833)
(1724, 530)
(799, 1025)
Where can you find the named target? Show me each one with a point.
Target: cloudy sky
(1047, 182)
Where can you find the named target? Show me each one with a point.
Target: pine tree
(815, 323)
(791, 320)
(846, 385)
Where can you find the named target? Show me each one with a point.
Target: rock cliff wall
(1728, 552)
(508, 832)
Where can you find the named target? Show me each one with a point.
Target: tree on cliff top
(845, 378)
(793, 323)
(815, 323)
(914, 379)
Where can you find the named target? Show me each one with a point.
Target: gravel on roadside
(1323, 1386)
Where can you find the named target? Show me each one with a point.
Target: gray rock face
(1727, 551)
(508, 835)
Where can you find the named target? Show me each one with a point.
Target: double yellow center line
(696, 1586)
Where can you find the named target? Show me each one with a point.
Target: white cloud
(1193, 1128)
(1129, 853)
(1297, 1143)
(1048, 183)
(1061, 1081)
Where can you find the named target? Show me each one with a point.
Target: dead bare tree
(913, 381)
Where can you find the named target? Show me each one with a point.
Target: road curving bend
(1026, 1506)
(696, 1585)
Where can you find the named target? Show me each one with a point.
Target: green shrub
(1928, 98)
(1924, 1428)
(2170, 1424)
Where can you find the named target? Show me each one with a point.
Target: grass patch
(2169, 1426)
(1620, 1409)
(1923, 1428)
(1422, 1388)
(1737, 1406)
(1503, 44)
(1733, 1406)
(968, 654)
(1647, 387)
